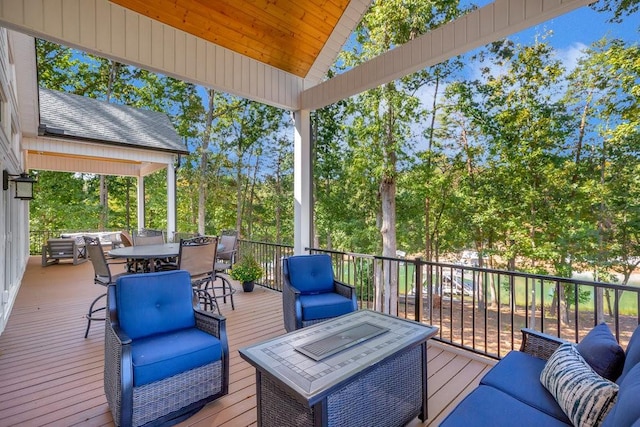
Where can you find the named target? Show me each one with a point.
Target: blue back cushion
(602, 352)
(154, 303)
(626, 411)
(311, 273)
(632, 357)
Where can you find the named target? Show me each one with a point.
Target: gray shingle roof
(79, 117)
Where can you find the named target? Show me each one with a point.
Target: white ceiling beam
(477, 28)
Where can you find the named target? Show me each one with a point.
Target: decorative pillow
(582, 394)
(602, 352)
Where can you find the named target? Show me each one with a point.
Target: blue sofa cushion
(325, 305)
(488, 406)
(161, 356)
(518, 374)
(582, 393)
(632, 357)
(626, 411)
(170, 307)
(602, 352)
(311, 274)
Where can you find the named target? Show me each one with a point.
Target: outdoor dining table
(149, 253)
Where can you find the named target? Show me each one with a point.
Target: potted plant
(246, 271)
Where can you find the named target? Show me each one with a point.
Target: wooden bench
(65, 248)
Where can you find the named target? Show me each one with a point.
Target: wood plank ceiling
(286, 34)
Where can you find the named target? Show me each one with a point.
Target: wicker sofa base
(159, 402)
(388, 394)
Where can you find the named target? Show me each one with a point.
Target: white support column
(302, 180)
(171, 201)
(140, 202)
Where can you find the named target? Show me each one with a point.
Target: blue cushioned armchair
(310, 293)
(164, 357)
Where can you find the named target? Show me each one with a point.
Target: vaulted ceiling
(286, 34)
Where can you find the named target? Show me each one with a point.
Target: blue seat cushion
(154, 303)
(325, 305)
(626, 411)
(518, 375)
(602, 352)
(161, 356)
(488, 406)
(311, 274)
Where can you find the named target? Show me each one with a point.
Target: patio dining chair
(126, 239)
(226, 257)
(140, 240)
(153, 237)
(102, 276)
(198, 256)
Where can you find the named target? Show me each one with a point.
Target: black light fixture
(24, 184)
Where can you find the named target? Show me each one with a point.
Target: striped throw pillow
(582, 394)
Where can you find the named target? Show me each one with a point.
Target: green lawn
(628, 302)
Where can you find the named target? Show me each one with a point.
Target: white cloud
(570, 55)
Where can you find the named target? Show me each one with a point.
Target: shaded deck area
(51, 375)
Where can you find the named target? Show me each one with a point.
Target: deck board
(50, 375)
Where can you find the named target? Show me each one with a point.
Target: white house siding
(14, 213)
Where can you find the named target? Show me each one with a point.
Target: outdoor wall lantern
(24, 184)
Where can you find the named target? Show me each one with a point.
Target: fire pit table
(361, 369)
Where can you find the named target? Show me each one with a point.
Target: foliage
(506, 151)
(247, 269)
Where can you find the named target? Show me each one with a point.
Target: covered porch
(51, 375)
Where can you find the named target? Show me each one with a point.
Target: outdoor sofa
(592, 383)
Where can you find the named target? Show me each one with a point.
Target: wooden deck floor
(51, 375)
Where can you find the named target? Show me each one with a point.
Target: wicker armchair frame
(539, 344)
(291, 306)
(169, 400)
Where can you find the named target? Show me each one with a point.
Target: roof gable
(66, 115)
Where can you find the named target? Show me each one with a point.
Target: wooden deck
(51, 375)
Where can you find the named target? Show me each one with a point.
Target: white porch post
(140, 202)
(302, 179)
(171, 201)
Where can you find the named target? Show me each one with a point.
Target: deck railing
(478, 309)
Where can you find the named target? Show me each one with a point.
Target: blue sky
(581, 26)
(576, 30)
(571, 34)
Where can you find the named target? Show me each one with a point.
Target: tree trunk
(252, 193)
(278, 189)
(104, 191)
(387, 191)
(388, 231)
(204, 160)
(428, 244)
